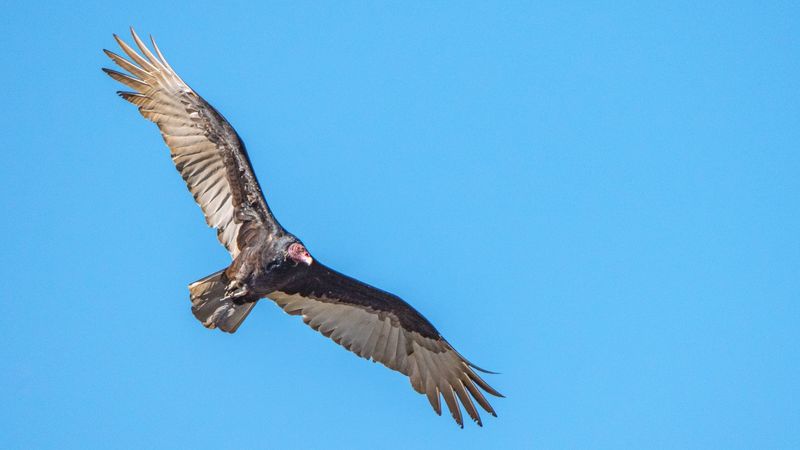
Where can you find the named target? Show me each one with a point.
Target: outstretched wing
(205, 148)
(380, 326)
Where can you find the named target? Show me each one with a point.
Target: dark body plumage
(269, 262)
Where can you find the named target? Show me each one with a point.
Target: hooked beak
(306, 258)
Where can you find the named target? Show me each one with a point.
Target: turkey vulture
(269, 262)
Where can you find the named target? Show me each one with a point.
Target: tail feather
(211, 308)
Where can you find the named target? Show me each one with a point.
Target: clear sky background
(599, 201)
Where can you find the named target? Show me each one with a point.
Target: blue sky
(598, 200)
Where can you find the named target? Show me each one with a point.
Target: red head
(298, 253)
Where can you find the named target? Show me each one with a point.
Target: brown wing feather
(206, 150)
(380, 326)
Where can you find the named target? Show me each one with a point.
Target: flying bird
(270, 262)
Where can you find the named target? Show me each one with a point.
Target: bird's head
(296, 253)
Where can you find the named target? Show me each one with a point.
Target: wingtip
(468, 362)
(112, 73)
(127, 95)
(480, 369)
(488, 372)
(133, 34)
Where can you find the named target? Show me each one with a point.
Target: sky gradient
(598, 201)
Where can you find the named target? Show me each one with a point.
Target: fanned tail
(212, 308)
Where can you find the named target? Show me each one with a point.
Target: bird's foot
(236, 290)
